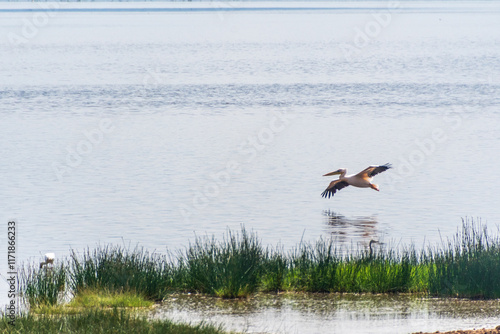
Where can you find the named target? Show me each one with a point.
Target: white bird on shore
(49, 259)
(361, 180)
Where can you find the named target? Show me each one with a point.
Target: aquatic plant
(228, 269)
(117, 269)
(238, 266)
(100, 298)
(42, 286)
(314, 268)
(323, 268)
(275, 266)
(468, 266)
(97, 320)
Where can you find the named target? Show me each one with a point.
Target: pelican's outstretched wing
(373, 170)
(333, 187)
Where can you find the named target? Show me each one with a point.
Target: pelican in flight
(361, 180)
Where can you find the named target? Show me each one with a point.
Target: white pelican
(362, 180)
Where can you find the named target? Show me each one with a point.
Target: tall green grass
(43, 286)
(228, 269)
(466, 266)
(323, 268)
(313, 268)
(274, 268)
(117, 269)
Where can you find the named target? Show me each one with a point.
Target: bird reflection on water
(347, 230)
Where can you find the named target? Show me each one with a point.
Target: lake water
(150, 123)
(334, 313)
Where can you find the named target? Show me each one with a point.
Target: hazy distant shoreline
(246, 5)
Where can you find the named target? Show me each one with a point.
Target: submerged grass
(94, 299)
(237, 266)
(106, 299)
(97, 320)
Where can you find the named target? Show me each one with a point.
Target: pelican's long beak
(337, 172)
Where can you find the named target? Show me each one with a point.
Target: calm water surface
(150, 127)
(334, 313)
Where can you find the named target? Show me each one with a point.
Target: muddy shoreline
(495, 330)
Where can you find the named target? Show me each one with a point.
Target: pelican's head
(337, 172)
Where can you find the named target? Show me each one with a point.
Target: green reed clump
(228, 269)
(469, 266)
(237, 266)
(322, 268)
(97, 320)
(313, 268)
(385, 272)
(42, 286)
(117, 269)
(274, 270)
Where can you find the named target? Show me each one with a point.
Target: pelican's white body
(356, 181)
(360, 180)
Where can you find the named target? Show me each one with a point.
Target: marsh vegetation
(104, 287)
(237, 266)
(98, 320)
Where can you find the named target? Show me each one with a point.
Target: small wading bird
(49, 259)
(361, 180)
(370, 245)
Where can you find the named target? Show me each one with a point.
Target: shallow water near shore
(333, 313)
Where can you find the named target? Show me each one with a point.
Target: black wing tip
(379, 169)
(330, 192)
(327, 194)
